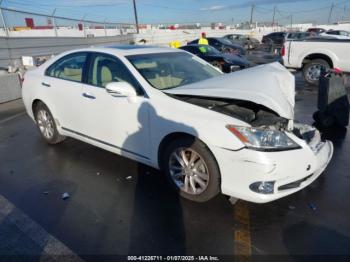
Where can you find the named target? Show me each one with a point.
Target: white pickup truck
(313, 54)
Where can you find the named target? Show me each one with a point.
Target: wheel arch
(314, 56)
(177, 135)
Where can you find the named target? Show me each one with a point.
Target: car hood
(271, 85)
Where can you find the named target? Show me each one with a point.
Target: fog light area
(263, 187)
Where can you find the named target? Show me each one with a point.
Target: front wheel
(312, 70)
(192, 169)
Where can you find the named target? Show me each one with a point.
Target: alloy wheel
(314, 72)
(45, 123)
(189, 171)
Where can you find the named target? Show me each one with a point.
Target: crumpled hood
(270, 85)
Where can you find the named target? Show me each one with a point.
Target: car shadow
(157, 225)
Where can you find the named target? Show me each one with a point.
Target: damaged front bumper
(287, 171)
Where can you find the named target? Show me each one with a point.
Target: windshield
(225, 41)
(207, 49)
(170, 70)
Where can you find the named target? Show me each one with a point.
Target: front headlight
(263, 139)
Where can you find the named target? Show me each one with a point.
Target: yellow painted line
(242, 238)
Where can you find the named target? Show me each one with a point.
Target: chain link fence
(14, 23)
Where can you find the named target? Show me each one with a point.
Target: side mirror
(120, 89)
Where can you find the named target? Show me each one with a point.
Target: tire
(324, 119)
(46, 124)
(312, 69)
(217, 65)
(202, 177)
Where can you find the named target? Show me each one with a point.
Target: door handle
(45, 84)
(90, 96)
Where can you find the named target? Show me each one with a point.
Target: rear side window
(69, 67)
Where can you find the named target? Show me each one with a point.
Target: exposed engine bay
(257, 116)
(249, 112)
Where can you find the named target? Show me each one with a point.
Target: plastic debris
(128, 177)
(291, 207)
(312, 206)
(233, 200)
(65, 196)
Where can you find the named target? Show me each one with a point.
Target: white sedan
(168, 109)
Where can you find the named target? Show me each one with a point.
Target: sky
(190, 11)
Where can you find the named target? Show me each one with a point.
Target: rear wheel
(217, 64)
(192, 169)
(312, 70)
(46, 124)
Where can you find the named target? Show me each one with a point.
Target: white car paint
(335, 36)
(135, 127)
(336, 50)
(276, 93)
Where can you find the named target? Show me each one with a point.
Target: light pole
(3, 20)
(136, 19)
(54, 22)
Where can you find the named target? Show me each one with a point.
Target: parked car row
(226, 62)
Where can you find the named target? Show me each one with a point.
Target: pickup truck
(313, 54)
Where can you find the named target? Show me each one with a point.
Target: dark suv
(276, 38)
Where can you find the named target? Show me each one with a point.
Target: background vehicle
(223, 45)
(297, 35)
(277, 38)
(311, 55)
(339, 34)
(225, 62)
(244, 40)
(316, 30)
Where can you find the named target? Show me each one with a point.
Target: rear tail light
(283, 50)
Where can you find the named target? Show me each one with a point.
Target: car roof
(126, 50)
(195, 45)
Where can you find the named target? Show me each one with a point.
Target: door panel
(119, 122)
(63, 79)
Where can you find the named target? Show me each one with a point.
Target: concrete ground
(119, 207)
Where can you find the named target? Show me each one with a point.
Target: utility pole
(136, 19)
(342, 18)
(251, 15)
(273, 17)
(291, 21)
(330, 13)
(54, 21)
(3, 20)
